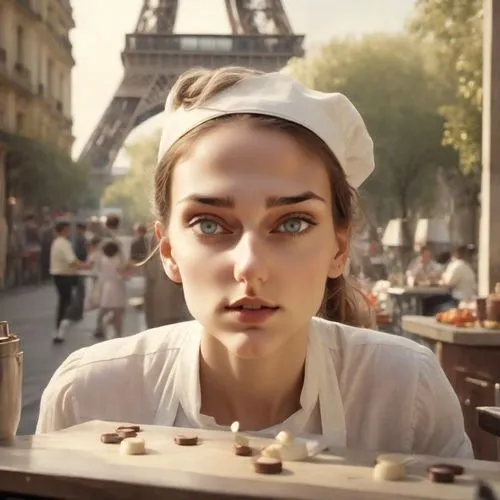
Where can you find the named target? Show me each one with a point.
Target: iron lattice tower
(154, 56)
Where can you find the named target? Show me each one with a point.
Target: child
(111, 282)
(255, 192)
(93, 295)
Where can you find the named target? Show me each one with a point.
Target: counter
(73, 463)
(470, 357)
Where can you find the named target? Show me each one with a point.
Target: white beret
(331, 116)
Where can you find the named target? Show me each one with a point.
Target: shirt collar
(187, 384)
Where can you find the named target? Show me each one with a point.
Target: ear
(339, 260)
(165, 249)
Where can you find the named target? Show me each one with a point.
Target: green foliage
(44, 176)
(454, 28)
(388, 79)
(133, 192)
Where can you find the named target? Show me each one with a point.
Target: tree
(455, 31)
(454, 28)
(44, 176)
(388, 80)
(133, 192)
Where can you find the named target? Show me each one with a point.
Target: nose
(250, 263)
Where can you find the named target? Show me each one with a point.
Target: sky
(101, 25)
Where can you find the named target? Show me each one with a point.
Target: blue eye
(294, 225)
(207, 227)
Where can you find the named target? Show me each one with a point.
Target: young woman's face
(251, 236)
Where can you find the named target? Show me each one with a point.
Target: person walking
(111, 279)
(80, 247)
(63, 264)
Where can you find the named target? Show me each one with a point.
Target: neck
(258, 393)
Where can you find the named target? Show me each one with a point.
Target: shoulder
(160, 342)
(97, 381)
(373, 358)
(348, 340)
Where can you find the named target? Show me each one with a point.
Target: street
(30, 312)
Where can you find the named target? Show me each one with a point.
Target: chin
(249, 345)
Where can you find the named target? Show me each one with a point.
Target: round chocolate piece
(242, 450)
(266, 465)
(441, 474)
(458, 470)
(183, 440)
(126, 432)
(135, 428)
(111, 438)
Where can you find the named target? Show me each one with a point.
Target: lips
(250, 310)
(252, 304)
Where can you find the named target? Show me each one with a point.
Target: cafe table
(409, 300)
(74, 464)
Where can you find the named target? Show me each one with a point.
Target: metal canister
(11, 382)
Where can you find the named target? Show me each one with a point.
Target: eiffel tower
(155, 56)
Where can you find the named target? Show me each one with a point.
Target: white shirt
(460, 277)
(362, 389)
(61, 257)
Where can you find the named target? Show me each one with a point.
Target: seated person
(424, 269)
(460, 277)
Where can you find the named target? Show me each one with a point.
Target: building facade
(35, 81)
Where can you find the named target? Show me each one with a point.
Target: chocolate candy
(267, 465)
(441, 474)
(458, 470)
(126, 432)
(132, 427)
(111, 438)
(242, 450)
(183, 440)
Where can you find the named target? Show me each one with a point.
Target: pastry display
(458, 317)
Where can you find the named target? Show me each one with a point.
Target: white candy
(389, 471)
(297, 450)
(239, 439)
(272, 451)
(284, 437)
(293, 452)
(133, 446)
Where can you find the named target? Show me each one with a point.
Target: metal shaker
(11, 380)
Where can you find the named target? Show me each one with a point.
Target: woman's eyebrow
(273, 201)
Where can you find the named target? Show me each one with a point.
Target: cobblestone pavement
(30, 313)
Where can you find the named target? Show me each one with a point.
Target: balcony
(219, 44)
(26, 4)
(22, 76)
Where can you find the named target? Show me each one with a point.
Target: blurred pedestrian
(63, 266)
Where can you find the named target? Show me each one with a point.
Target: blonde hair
(342, 302)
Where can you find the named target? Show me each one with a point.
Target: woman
(255, 198)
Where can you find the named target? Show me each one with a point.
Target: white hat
(332, 117)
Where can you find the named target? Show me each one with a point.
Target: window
(20, 122)
(20, 44)
(50, 82)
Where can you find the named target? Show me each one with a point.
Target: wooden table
(470, 357)
(409, 300)
(74, 464)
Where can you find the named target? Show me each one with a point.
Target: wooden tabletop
(74, 464)
(427, 327)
